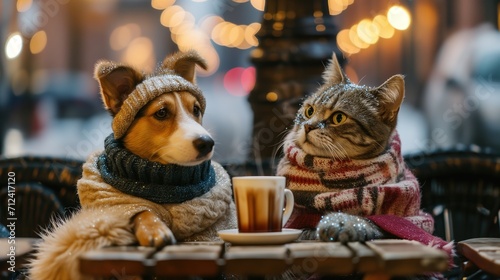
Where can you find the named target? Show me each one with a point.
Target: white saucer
(259, 238)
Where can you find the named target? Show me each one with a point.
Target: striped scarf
(378, 186)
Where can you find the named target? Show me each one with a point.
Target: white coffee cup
(262, 203)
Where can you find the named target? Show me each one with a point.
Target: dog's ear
(116, 82)
(184, 64)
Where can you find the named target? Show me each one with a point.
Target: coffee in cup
(262, 203)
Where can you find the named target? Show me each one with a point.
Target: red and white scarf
(381, 189)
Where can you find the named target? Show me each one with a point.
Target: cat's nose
(308, 127)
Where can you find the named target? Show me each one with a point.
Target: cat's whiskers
(341, 152)
(332, 151)
(377, 143)
(335, 151)
(280, 145)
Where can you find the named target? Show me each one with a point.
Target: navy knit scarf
(153, 181)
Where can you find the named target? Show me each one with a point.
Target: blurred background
(263, 56)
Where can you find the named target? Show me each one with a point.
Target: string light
(367, 32)
(272, 96)
(122, 36)
(353, 36)
(140, 53)
(386, 30)
(188, 34)
(345, 44)
(161, 4)
(239, 81)
(399, 17)
(335, 7)
(38, 42)
(498, 15)
(23, 5)
(14, 45)
(258, 4)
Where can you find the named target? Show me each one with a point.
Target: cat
(343, 162)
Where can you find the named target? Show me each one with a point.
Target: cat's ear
(116, 83)
(333, 73)
(390, 95)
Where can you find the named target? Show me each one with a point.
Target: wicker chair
(44, 188)
(461, 190)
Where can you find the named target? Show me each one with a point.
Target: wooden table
(484, 253)
(378, 259)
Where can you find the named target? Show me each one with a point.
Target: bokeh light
(188, 32)
(38, 42)
(13, 45)
(386, 30)
(239, 81)
(335, 7)
(162, 4)
(353, 36)
(13, 143)
(258, 4)
(399, 17)
(248, 79)
(228, 34)
(344, 42)
(208, 23)
(172, 16)
(23, 5)
(140, 53)
(211, 56)
(272, 96)
(250, 32)
(122, 36)
(367, 31)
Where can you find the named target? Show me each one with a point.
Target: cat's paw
(150, 230)
(347, 228)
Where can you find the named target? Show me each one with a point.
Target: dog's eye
(196, 111)
(161, 114)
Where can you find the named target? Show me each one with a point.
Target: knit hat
(148, 90)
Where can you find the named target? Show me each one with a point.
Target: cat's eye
(339, 118)
(161, 114)
(309, 111)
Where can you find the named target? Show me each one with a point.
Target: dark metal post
(296, 40)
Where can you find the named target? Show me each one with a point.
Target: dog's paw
(347, 228)
(150, 230)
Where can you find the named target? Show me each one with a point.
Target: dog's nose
(203, 145)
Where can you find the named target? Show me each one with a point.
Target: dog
(154, 184)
